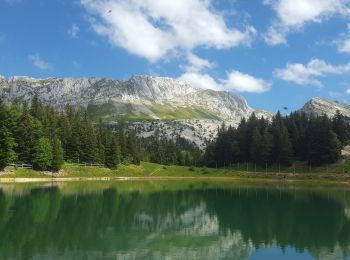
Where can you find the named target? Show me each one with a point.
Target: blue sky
(275, 53)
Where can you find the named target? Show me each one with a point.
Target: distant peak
(143, 77)
(324, 100)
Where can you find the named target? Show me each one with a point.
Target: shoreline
(289, 178)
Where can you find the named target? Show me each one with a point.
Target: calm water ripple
(173, 220)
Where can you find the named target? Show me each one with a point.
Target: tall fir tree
(57, 154)
(43, 156)
(341, 127)
(113, 154)
(28, 132)
(7, 154)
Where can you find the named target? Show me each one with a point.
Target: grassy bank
(300, 171)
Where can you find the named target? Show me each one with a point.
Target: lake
(174, 220)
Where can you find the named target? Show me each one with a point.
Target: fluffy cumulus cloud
(38, 62)
(158, 29)
(154, 28)
(294, 14)
(235, 80)
(201, 80)
(310, 73)
(245, 83)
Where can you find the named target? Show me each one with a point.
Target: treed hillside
(315, 139)
(44, 137)
(41, 136)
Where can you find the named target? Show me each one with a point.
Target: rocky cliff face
(139, 93)
(174, 104)
(320, 106)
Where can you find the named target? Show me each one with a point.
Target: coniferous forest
(41, 136)
(45, 138)
(315, 139)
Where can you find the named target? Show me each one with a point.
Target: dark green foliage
(178, 150)
(45, 137)
(315, 139)
(6, 147)
(36, 108)
(57, 155)
(28, 132)
(43, 156)
(261, 147)
(282, 152)
(7, 154)
(340, 127)
(133, 147)
(113, 153)
(185, 158)
(323, 145)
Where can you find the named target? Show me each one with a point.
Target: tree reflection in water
(206, 223)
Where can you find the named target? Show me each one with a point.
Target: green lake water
(174, 220)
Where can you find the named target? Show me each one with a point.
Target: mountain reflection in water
(196, 221)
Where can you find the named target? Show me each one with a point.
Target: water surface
(173, 220)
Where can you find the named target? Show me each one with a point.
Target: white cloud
(73, 31)
(308, 74)
(348, 91)
(343, 43)
(197, 64)
(199, 80)
(154, 28)
(235, 81)
(38, 62)
(294, 14)
(245, 83)
(275, 36)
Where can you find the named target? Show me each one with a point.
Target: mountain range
(148, 103)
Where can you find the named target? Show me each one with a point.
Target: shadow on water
(197, 222)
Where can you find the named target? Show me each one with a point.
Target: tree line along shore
(46, 139)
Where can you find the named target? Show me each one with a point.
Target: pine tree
(260, 147)
(27, 134)
(323, 146)
(113, 154)
(133, 147)
(7, 154)
(333, 148)
(188, 159)
(102, 132)
(36, 108)
(43, 155)
(282, 152)
(266, 148)
(88, 142)
(340, 127)
(285, 155)
(122, 139)
(57, 154)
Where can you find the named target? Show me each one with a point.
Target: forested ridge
(315, 139)
(39, 135)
